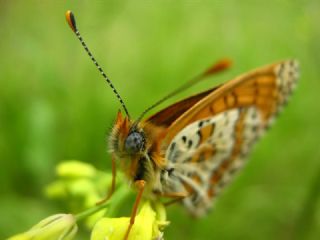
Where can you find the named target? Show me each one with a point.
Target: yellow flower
(75, 169)
(146, 226)
(80, 186)
(55, 227)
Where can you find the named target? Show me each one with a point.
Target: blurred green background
(55, 106)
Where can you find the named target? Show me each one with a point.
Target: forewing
(266, 88)
(167, 116)
(215, 136)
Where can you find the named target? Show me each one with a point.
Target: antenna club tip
(71, 20)
(226, 62)
(221, 65)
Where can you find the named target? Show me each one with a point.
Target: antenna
(72, 23)
(213, 69)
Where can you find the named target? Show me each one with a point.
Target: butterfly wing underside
(208, 143)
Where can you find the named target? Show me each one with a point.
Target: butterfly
(192, 149)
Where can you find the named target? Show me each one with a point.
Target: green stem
(88, 212)
(117, 198)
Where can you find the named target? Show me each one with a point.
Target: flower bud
(55, 227)
(75, 169)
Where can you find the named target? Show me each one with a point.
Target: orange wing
(267, 88)
(167, 116)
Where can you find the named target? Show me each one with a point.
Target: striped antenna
(72, 23)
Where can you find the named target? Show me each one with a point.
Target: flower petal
(115, 228)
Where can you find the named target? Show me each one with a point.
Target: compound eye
(134, 142)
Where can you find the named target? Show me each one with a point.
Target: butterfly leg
(113, 183)
(177, 197)
(140, 184)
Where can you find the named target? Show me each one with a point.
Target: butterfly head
(129, 145)
(135, 142)
(127, 139)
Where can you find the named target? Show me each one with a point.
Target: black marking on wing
(200, 136)
(184, 139)
(200, 124)
(170, 171)
(172, 147)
